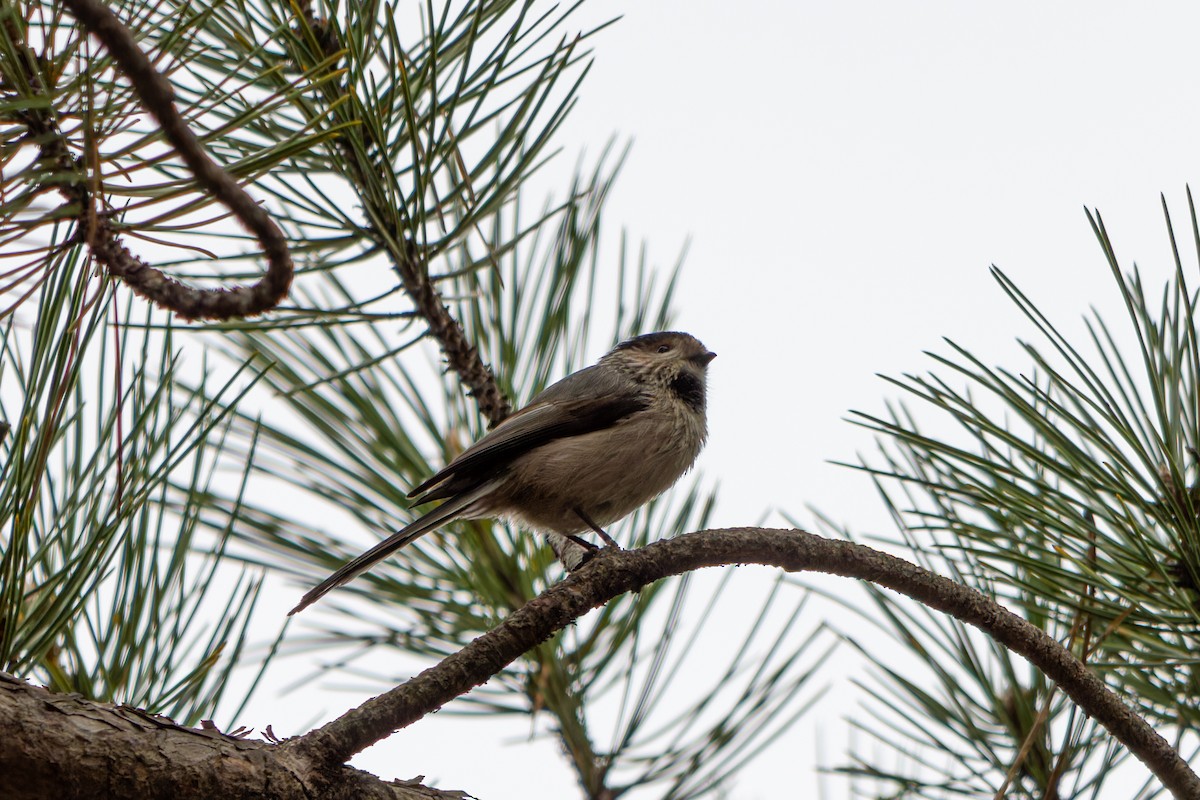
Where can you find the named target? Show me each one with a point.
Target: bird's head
(669, 359)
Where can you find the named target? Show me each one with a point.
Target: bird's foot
(584, 543)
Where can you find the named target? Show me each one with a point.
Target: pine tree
(221, 375)
(390, 144)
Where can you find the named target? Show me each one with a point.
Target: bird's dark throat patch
(690, 389)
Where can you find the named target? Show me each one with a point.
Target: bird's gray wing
(589, 400)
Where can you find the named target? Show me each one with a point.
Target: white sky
(847, 172)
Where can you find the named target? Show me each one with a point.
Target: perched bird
(584, 453)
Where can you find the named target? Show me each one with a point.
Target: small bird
(584, 453)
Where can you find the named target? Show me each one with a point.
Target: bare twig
(615, 572)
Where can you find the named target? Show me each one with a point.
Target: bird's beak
(703, 358)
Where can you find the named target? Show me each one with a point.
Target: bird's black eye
(664, 348)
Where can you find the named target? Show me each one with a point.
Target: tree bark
(64, 746)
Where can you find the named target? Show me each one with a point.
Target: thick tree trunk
(63, 746)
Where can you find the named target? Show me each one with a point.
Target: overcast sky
(846, 173)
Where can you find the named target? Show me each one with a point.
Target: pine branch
(136, 759)
(462, 356)
(157, 95)
(615, 573)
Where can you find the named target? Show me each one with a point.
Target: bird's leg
(584, 543)
(608, 540)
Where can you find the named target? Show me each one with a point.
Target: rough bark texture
(84, 750)
(65, 747)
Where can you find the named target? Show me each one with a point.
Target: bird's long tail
(453, 508)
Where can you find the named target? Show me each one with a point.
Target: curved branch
(614, 572)
(85, 749)
(158, 97)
